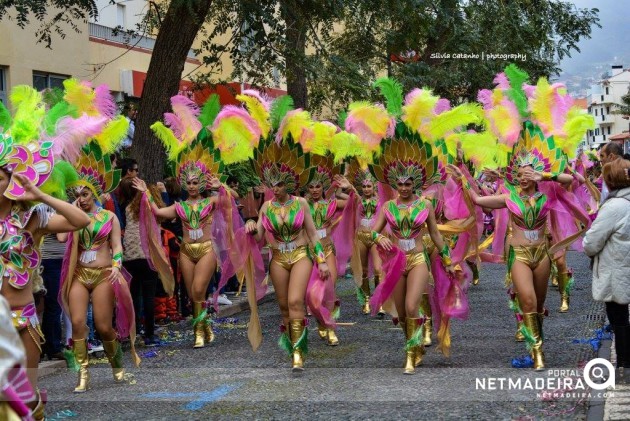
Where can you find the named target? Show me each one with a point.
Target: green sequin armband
(320, 256)
(445, 254)
(117, 260)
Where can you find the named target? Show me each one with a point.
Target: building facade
(601, 101)
(102, 53)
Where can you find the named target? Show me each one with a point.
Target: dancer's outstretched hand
(385, 243)
(324, 272)
(139, 184)
(251, 227)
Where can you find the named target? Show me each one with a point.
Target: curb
(243, 305)
(46, 368)
(596, 405)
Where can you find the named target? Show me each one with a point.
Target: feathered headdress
(371, 123)
(538, 123)
(358, 176)
(95, 172)
(201, 161)
(323, 170)
(405, 158)
(285, 163)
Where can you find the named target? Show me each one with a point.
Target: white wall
(110, 14)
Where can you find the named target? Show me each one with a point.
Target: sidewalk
(239, 304)
(617, 407)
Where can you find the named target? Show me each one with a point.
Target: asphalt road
(360, 379)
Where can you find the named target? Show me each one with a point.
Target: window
(602, 97)
(596, 132)
(595, 112)
(121, 15)
(42, 81)
(608, 129)
(3, 86)
(603, 117)
(606, 90)
(607, 110)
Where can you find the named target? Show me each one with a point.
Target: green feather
(285, 343)
(279, 108)
(415, 340)
(61, 109)
(336, 313)
(71, 360)
(302, 343)
(517, 77)
(341, 120)
(529, 337)
(210, 110)
(569, 285)
(200, 318)
(5, 117)
(361, 297)
(515, 307)
(117, 358)
(393, 92)
(62, 175)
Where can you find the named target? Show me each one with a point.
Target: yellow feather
(540, 105)
(346, 145)
(376, 118)
(578, 122)
(234, 139)
(294, 123)
(323, 137)
(171, 143)
(80, 96)
(29, 113)
(457, 118)
(113, 133)
(418, 109)
(258, 112)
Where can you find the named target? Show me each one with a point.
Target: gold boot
(79, 348)
(321, 331)
(113, 350)
(365, 287)
(198, 325)
(209, 333)
(563, 282)
(377, 280)
(296, 330)
(554, 281)
(331, 337)
(531, 321)
(425, 305)
(413, 353)
(39, 413)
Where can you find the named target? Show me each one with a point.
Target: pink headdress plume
(236, 134)
(259, 109)
(104, 101)
(298, 124)
(183, 120)
(72, 134)
(370, 122)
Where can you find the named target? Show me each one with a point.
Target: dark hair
(613, 148)
(231, 179)
(126, 192)
(626, 156)
(173, 188)
(127, 165)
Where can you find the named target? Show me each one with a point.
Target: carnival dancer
(533, 206)
(26, 162)
(293, 239)
(369, 206)
(93, 272)
(208, 220)
(407, 165)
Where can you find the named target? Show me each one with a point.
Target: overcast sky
(609, 44)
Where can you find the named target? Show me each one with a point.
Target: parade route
(360, 378)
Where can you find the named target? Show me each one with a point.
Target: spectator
(52, 252)
(131, 113)
(609, 153)
(608, 242)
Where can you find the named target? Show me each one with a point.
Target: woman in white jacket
(608, 241)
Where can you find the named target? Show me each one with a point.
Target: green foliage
(624, 107)
(245, 175)
(54, 15)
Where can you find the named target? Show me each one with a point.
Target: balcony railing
(107, 33)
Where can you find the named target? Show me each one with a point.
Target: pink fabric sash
(151, 243)
(394, 263)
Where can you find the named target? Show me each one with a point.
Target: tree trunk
(294, 53)
(176, 35)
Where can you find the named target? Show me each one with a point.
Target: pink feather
(254, 93)
(187, 111)
(442, 105)
(529, 90)
(501, 81)
(233, 111)
(104, 101)
(485, 98)
(72, 134)
(560, 108)
(411, 95)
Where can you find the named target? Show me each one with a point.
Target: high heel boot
(79, 347)
(414, 350)
(113, 350)
(532, 323)
(563, 287)
(198, 324)
(365, 287)
(427, 336)
(299, 339)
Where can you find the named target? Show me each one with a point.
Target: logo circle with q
(606, 374)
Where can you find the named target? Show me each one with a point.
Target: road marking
(199, 399)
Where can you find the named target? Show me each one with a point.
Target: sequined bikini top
(92, 237)
(528, 212)
(195, 216)
(323, 212)
(18, 255)
(369, 208)
(406, 221)
(284, 222)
